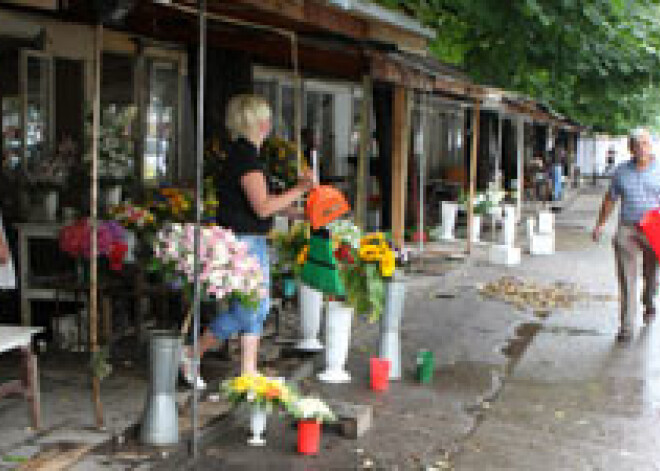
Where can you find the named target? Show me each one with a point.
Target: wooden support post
(400, 142)
(500, 152)
(520, 163)
(476, 111)
(93, 289)
(363, 157)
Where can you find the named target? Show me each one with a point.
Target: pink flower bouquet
(227, 271)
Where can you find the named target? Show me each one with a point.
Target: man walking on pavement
(637, 183)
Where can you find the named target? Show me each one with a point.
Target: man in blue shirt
(637, 184)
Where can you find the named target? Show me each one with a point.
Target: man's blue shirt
(639, 190)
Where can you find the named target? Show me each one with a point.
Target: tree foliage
(595, 61)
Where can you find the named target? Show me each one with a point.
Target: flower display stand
(448, 211)
(51, 200)
(506, 253)
(390, 326)
(311, 304)
(475, 230)
(338, 334)
(258, 420)
(160, 423)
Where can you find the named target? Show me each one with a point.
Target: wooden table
(20, 338)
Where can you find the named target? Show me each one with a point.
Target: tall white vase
(509, 232)
(390, 325)
(50, 206)
(337, 342)
(475, 233)
(448, 210)
(258, 420)
(311, 302)
(113, 195)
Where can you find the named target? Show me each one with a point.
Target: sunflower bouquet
(259, 391)
(281, 160)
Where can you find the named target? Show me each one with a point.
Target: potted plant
(362, 271)
(262, 395)
(310, 413)
(291, 248)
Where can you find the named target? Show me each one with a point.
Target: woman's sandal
(186, 369)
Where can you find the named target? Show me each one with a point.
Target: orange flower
(272, 393)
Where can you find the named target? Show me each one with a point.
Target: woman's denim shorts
(238, 319)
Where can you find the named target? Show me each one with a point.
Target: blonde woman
(247, 208)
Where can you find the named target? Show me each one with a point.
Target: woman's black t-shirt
(234, 210)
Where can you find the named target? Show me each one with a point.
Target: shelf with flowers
(263, 396)
(310, 413)
(172, 204)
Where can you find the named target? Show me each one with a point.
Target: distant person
(637, 184)
(610, 162)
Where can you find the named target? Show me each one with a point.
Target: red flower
(116, 256)
(343, 254)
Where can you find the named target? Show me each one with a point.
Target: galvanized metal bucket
(390, 325)
(160, 424)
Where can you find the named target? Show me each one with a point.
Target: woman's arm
(4, 251)
(263, 203)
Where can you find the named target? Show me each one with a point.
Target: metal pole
(473, 169)
(364, 164)
(199, 188)
(297, 101)
(422, 164)
(520, 148)
(498, 164)
(93, 279)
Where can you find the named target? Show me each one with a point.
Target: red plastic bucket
(650, 226)
(309, 437)
(379, 373)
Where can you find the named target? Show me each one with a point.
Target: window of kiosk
(37, 104)
(118, 117)
(160, 140)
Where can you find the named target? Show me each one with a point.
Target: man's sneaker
(649, 316)
(624, 336)
(186, 369)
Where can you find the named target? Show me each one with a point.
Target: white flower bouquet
(345, 231)
(311, 408)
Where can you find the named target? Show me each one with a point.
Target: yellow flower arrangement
(302, 256)
(259, 390)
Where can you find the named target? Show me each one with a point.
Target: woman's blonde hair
(244, 113)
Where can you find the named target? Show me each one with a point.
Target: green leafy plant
(289, 245)
(364, 284)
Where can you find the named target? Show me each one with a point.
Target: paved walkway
(513, 389)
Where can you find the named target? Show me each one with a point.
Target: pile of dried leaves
(528, 294)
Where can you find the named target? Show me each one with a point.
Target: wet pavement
(514, 388)
(542, 389)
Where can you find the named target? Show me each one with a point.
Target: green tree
(592, 60)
